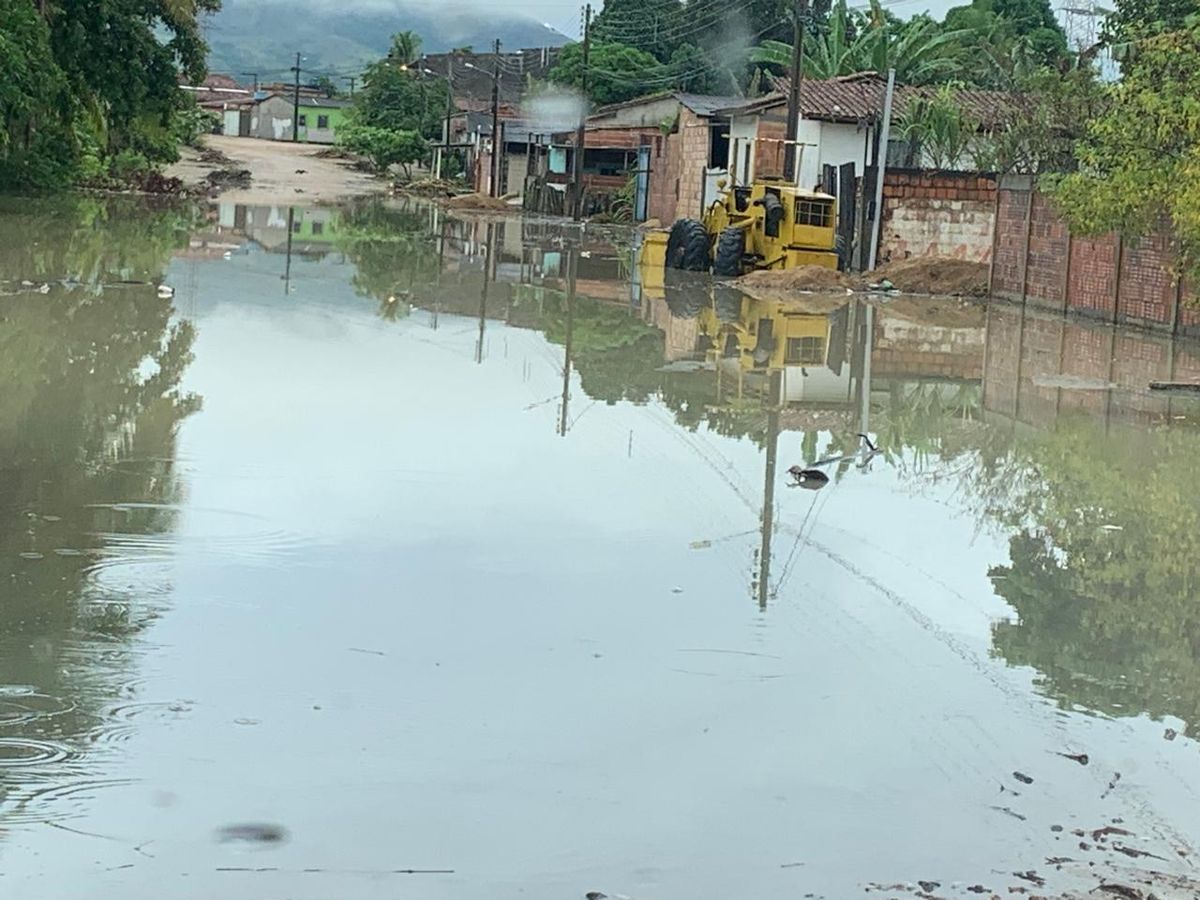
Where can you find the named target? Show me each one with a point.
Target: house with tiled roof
(839, 122)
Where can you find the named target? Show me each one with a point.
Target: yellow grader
(769, 224)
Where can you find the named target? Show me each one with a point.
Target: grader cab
(769, 224)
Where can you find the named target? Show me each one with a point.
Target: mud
(934, 275)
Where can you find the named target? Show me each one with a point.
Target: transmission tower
(1081, 21)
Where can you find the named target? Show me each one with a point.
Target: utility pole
(790, 155)
(881, 168)
(445, 152)
(580, 134)
(296, 102)
(353, 79)
(572, 269)
(253, 75)
(774, 398)
(496, 148)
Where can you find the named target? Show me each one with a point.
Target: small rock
(1022, 777)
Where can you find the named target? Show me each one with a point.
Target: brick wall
(937, 214)
(677, 170)
(902, 347)
(1038, 260)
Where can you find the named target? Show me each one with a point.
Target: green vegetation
(1140, 160)
(397, 110)
(82, 83)
(1105, 563)
(391, 249)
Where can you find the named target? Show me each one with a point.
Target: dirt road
(281, 172)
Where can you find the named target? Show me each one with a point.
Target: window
(318, 228)
(296, 226)
(303, 121)
(805, 351)
(322, 121)
(814, 212)
(718, 143)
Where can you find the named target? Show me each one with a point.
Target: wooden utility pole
(497, 151)
(353, 79)
(253, 75)
(296, 102)
(581, 132)
(790, 149)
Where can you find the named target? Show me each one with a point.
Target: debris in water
(1121, 891)
(809, 479)
(1101, 833)
(1135, 853)
(1170, 734)
(1022, 777)
(1056, 828)
(1031, 876)
(1111, 785)
(1006, 810)
(252, 833)
(1081, 758)
(700, 545)
(929, 886)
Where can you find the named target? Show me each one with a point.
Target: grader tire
(731, 245)
(687, 246)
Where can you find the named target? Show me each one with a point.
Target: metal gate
(840, 182)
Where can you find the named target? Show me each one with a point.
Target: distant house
(224, 96)
(677, 145)
(272, 118)
(320, 119)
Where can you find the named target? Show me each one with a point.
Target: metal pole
(580, 133)
(296, 102)
(496, 149)
(774, 384)
(864, 417)
(572, 264)
(790, 167)
(881, 168)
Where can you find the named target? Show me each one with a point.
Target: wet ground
(401, 555)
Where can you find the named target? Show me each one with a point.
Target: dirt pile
(934, 275)
(802, 278)
(227, 177)
(478, 202)
(429, 187)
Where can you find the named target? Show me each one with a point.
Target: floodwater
(377, 562)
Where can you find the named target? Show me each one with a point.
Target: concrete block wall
(677, 170)
(1038, 260)
(947, 214)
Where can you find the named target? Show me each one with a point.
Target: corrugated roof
(854, 98)
(705, 104)
(325, 102)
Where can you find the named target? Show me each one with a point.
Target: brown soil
(934, 275)
(478, 202)
(804, 278)
(428, 187)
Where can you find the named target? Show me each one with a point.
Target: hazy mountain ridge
(264, 37)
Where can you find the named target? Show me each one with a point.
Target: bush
(128, 166)
(384, 147)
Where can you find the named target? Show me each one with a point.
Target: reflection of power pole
(774, 380)
(864, 414)
(287, 267)
(483, 295)
(572, 265)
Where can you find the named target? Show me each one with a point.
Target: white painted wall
(743, 130)
(809, 137)
(842, 143)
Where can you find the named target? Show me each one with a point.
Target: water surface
(378, 559)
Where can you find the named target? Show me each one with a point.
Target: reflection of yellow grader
(764, 334)
(769, 224)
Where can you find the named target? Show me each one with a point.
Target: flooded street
(371, 560)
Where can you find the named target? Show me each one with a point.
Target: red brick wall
(769, 149)
(937, 214)
(1080, 274)
(676, 172)
(1008, 266)
(1092, 285)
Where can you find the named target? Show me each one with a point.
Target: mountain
(337, 39)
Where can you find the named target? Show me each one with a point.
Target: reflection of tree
(88, 417)
(1110, 617)
(392, 250)
(618, 356)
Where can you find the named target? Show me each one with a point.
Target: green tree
(406, 48)
(615, 72)
(852, 42)
(1014, 36)
(652, 26)
(385, 147)
(400, 99)
(939, 126)
(1137, 18)
(1140, 161)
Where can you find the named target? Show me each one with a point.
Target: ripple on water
(29, 706)
(69, 795)
(20, 753)
(121, 721)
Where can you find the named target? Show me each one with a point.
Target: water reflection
(90, 362)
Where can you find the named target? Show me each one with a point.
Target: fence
(1037, 260)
